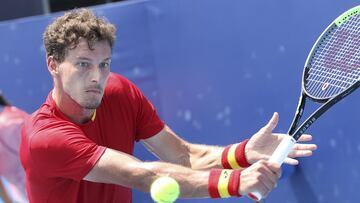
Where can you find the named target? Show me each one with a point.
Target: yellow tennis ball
(165, 190)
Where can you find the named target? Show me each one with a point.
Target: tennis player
(78, 146)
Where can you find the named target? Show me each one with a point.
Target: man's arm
(115, 167)
(171, 148)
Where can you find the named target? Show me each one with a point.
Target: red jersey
(57, 153)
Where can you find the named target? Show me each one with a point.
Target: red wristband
(224, 183)
(213, 183)
(240, 154)
(234, 184)
(224, 158)
(233, 156)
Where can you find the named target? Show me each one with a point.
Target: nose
(95, 75)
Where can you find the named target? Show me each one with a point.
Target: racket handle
(279, 156)
(283, 150)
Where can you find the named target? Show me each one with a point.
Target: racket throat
(298, 114)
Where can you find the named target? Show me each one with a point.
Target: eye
(83, 64)
(104, 65)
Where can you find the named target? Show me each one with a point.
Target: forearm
(202, 157)
(171, 148)
(193, 183)
(230, 157)
(118, 168)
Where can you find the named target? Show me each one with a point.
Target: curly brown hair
(64, 33)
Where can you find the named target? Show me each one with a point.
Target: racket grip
(279, 156)
(283, 150)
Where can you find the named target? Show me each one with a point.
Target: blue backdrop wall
(216, 71)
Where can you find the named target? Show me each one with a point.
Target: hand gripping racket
(332, 72)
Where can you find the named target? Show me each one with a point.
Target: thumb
(271, 125)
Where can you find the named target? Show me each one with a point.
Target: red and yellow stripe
(224, 183)
(233, 156)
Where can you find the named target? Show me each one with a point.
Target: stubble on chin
(91, 104)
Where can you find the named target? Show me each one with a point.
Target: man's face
(84, 72)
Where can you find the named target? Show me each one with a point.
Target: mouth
(94, 91)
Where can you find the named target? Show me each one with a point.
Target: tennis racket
(332, 72)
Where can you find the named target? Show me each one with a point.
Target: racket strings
(335, 77)
(335, 64)
(353, 75)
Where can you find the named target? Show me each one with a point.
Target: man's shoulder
(120, 86)
(117, 80)
(43, 130)
(45, 120)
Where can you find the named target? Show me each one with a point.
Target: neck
(71, 108)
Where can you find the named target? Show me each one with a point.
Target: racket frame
(294, 131)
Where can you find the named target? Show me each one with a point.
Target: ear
(53, 66)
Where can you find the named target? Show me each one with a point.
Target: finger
(275, 168)
(261, 173)
(262, 167)
(273, 122)
(300, 153)
(264, 157)
(260, 187)
(270, 176)
(291, 161)
(268, 182)
(305, 147)
(305, 138)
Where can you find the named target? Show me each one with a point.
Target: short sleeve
(144, 116)
(62, 150)
(148, 122)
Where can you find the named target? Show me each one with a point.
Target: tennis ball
(165, 190)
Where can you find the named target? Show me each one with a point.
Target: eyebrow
(88, 59)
